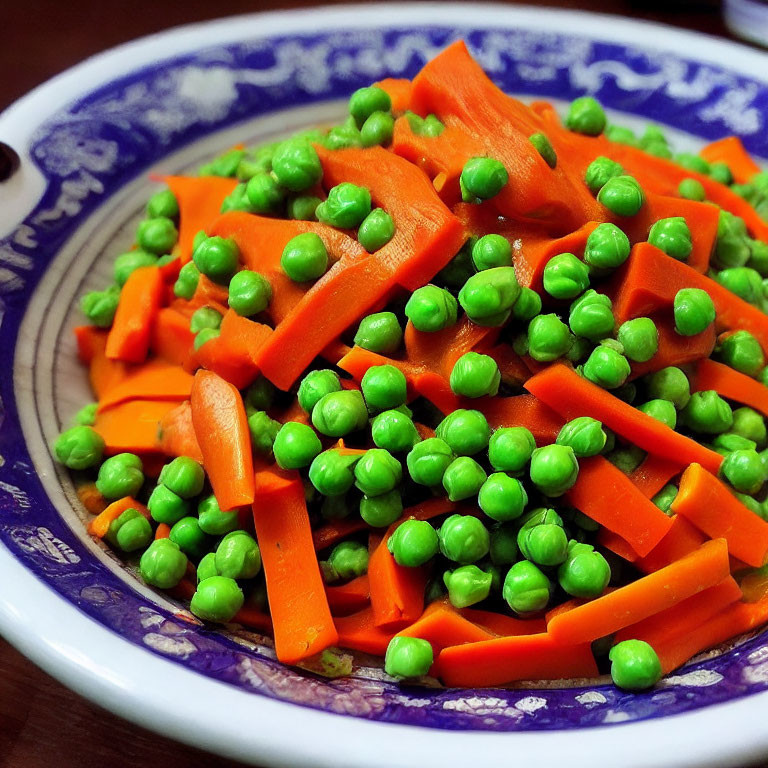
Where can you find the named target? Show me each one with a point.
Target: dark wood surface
(42, 724)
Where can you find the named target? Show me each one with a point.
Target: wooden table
(41, 722)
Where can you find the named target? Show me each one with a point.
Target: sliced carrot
(132, 426)
(172, 339)
(253, 618)
(682, 539)
(571, 395)
(221, 428)
(90, 341)
(650, 594)
(99, 526)
(514, 372)
(616, 544)
(302, 620)
(441, 625)
(200, 200)
(730, 384)
(359, 632)
(163, 531)
(177, 433)
(183, 591)
(399, 90)
(140, 298)
(653, 474)
(91, 499)
(605, 494)
(706, 502)
(517, 657)
(350, 597)
(154, 380)
(523, 411)
(207, 294)
(502, 625)
(731, 151)
(103, 373)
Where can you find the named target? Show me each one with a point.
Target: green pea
(377, 472)
(584, 574)
(491, 251)
(584, 435)
(488, 296)
(742, 351)
(707, 413)
(204, 336)
(100, 307)
(626, 459)
(621, 135)
(540, 516)
(744, 470)
(86, 416)
(544, 147)
(377, 130)
(467, 585)
(565, 276)
(659, 149)
(669, 384)
(762, 376)
(545, 545)
(464, 539)
(579, 350)
(163, 564)
(205, 317)
(475, 375)
(263, 431)
(510, 449)
(694, 311)
(599, 171)
(413, 543)
(548, 338)
(207, 567)
(342, 137)
(466, 432)
(745, 282)
(503, 547)
(380, 332)
(296, 166)
(758, 259)
(127, 263)
(463, 478)
(365, 101)
(250, 165)
(653, 134)
(384, 387)
(303, 207)
(238, 556)
(213, 520)
(627, 392)
(692, 162)
(218, 598)
(163, 204)
(376, 230)
(591, 316)
(692, 189)
(79, 447)
(585, 115)
(664, 498)
(661, 410)
(238, 199)
(332, 473)
(428, 460)
(346, 207)
(527, 306)
(459, 269)
(120, 475)
(606, 367)
(622, 195)
(502, 498)
(304, 257)
(335, 507)
(482, 178)
(554, 469)
(249, 293)
(189, 536)
(727, 442)
(394, 431)
(672, 236)
(296, 445)
(635, 666)
(381, 511)
(732, 244)
(640, 339)
(217, 259)
(408, 657)
(167, 507)
(607, 247)
(157, 235)
(432, 126)
(431, 309)
(264, 194)
(526, 589)
(186, 283)
(225, 165)
(315, 385)
(349, 559)
(750, 424)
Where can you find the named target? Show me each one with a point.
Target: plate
(87, 141)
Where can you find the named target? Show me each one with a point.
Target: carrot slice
(730, 384)
(653, 474)
(563, 390)
(90, 341)
(500, 624)
(253, 618)
(359, 632)
(606, 495)
(132, 426)
(218, 416)
(155, 380)
(172, 339)
(302, 620)
(650, 594)
(524, 411)
(200, 200)
(517, 657)
(616, 544)
(731, 151)
(706, 502)
(99, 526)
(399, 90)
(91, 499)
(441, 625)
(103, 373)
(350, 597)
(140, 298)
(682, 539)
(177, 433)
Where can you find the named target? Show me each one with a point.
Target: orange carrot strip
(155, 380)
(502, 625)
(653, 474)
(441, 625)
(172, 339)
(616, 544)
(103, 373)
(517, 657)
(571, 395)
(706, 502)
(132, 426)
(605, 494)
(163, 531)
(140, 299)
(730, 384)
(650, 594)
(252, 618)
(302, 620)
(682, 539)
(523, 411)
(731, 151)
(177, 433)
(218, 416)
(99, 526)
(350, 597)
(91, 499)
(90, 341)
(399, 90)
(358, 632)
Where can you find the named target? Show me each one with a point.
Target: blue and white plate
(87, 141)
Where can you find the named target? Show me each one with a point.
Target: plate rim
(51, 635)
